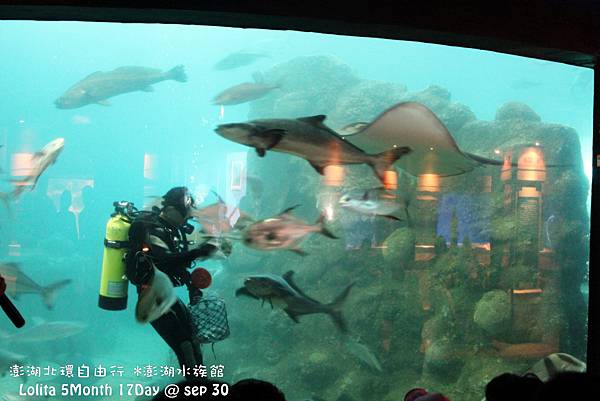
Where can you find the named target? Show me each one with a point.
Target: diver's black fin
(244, 291)
(320, 169)
(292, 315)
(260, 152)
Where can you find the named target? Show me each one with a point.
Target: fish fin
(258, 77)
(353, 128)
(147, 89)
(317, 120)
(48, 293)
(92, 74)
(289, 278)
(324, 230)
(383, 161)
(267, 139)
(260, 152)
(244, 291)
(319, 168)
(103, 103)
(292, 315)
(298, 251)
(288, 210)
(334, 309)
(177, 74)
(391, 217)
(218, 196)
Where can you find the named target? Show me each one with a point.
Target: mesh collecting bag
(209, 319)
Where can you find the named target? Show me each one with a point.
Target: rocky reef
(430, 323)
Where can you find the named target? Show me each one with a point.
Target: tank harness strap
(116, 244)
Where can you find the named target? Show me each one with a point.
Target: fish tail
(335, 309)
(324, 230)
(49, 293)
(383, 161)
(177, 73)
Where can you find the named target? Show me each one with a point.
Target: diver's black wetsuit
(168, 248)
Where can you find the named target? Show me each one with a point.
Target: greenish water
(429, 293)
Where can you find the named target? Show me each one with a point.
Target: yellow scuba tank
(113, 282)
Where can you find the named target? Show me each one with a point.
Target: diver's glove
(143, 269)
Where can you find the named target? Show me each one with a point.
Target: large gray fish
(214, 218)
(18, 283)
(281, 291)
(45, 331)
(238, 59)
(99, 86)
(244, 92)
(283, 231)
(156, 299)
(309, 139)
(39, 163)
(374, 202)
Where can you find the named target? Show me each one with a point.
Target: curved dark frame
(555, 30)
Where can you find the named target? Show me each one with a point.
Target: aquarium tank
(366, 216)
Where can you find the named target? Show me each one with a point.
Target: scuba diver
(159, 240)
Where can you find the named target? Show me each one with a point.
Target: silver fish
(376, 201)
(155, 300)
(283, 292)
(39, 163)
(363, 353)
(99, 86)
(215, 221)
(282, 231)
(309, 139)
(18, 283)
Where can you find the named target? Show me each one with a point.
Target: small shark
(310, 139)
(19, 283)
(282, 291)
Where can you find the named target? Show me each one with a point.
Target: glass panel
(436, 220)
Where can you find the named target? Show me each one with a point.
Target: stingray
(411, 124)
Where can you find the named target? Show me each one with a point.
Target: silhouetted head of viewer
(512, 387)
(254, 390)
(570, 386)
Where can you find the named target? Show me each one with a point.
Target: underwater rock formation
(466, 296)
(492, 312)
